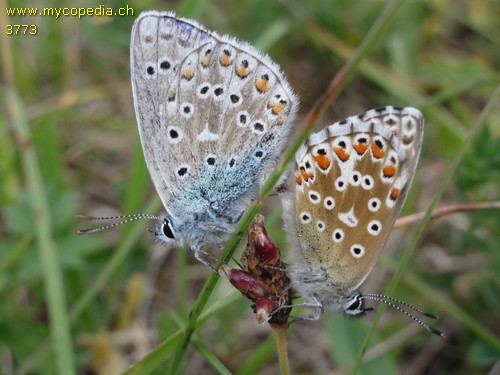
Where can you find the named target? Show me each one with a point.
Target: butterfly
(351, 180)
(214, 115)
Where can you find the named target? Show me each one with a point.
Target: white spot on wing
(349, 218)
(207, 136)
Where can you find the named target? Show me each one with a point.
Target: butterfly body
(351, 180)
(213, 116)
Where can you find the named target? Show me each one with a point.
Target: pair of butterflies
(214, 117)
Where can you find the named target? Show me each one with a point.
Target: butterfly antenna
(411, 307)
(389, 301)
(124, 219)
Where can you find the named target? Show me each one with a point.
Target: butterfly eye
(355, 305)
(167, 230)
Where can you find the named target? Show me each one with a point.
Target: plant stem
(281, 345)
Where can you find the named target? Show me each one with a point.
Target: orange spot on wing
(360, 148)
(279, 107)
(298, 179)
(206, 60)
(389, 171)
(377, 151)
(171, 94)
(242, 72)
(306, 175)
(262, 84)
(322, 161)
(394, 194)
(341, 153)
(225, 59)
(188, 73)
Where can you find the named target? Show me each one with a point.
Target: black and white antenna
(123, 219)
(392, 302)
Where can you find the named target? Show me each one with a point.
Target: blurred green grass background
(69, 89)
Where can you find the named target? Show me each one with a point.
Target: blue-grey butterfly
(214, 115)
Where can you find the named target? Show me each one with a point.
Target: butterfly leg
(313, 304)
(204, 257)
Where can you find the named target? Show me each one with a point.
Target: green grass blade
(47, 249)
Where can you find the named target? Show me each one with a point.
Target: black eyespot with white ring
(186, 110)
(183, 171)
(305, 217)
(259, 154)
(165, 65)
(340, 184)
(210, 160)
(258, 127)
(203, 90)
(367, 182)
(329, 203)
(374, 204)
(235, 100)
(314, 197)
(355, 178)
(374, 227)
(338, 235)
(174, 134)
(320, 225)
(242, 119)
(218, 92)
(357, 251)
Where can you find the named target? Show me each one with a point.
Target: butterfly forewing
(351, 181)
(159, 44)
(212, 115)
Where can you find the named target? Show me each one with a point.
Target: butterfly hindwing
(351, 181)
